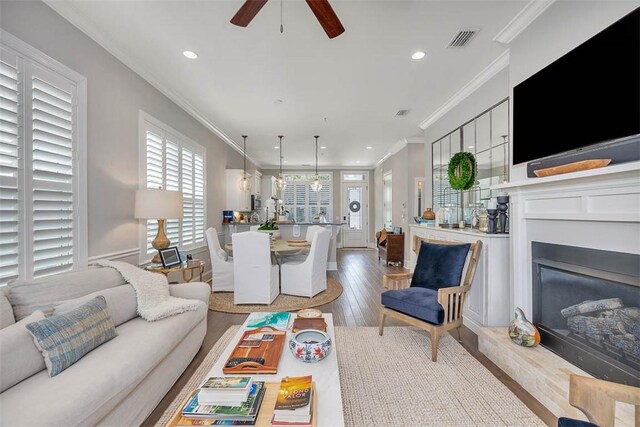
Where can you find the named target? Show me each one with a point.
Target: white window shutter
(9, 200)
(52, 173)
(198, 198)
(187, 194)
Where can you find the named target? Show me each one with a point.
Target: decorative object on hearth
(503, 206)
(160, 205)
(449, 216)
(310, 345)
(462, 171)
(573, 167)
(523, 332)
(245, 183)
(428, 214)
(491, 221)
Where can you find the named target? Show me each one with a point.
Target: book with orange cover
(301, 323)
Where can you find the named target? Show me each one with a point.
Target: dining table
(279, 248)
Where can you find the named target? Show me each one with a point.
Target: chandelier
(316, 185)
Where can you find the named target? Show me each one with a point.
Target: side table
(189, 269)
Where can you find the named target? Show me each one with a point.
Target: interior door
(355, 208)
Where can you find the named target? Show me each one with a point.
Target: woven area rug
(223, 301)
(391, 381)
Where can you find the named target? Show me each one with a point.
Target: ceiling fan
(320, 8)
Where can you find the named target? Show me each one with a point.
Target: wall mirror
(487, 137)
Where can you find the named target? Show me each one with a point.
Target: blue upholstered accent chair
(432, 298)
(597, 399)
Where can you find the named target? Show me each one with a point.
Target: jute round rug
(223, 301)
(391, 381)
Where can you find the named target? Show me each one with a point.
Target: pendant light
(245, 183)
(316, 185)
(281, 184)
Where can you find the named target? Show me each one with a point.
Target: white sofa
(118, 383)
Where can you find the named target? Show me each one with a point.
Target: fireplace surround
(586, 304)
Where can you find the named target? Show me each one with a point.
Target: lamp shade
(158, 204)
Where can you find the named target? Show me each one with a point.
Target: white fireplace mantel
(597, 209)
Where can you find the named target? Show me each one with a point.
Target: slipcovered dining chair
(432, 298)
(256, 280)
(309, 277)
(221, 264)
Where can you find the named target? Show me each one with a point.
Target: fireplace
(586, 304)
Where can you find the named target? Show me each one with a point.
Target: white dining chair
(302, 254)
(256, 281)
(309, 277)
(221, 264)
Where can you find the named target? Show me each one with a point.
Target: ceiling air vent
(462, 38)
(402, 112)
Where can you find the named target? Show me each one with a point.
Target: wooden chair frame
(451, 299)
(597, 399)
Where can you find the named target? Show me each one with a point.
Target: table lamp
(160, 205)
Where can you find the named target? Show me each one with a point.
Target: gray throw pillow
(65, 338)
(121, 301)
(43, 293)
(19, 356)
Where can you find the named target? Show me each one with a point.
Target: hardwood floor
(361, 277)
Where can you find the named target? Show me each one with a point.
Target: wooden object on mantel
(573, 167)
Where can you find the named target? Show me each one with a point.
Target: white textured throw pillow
(19, 354)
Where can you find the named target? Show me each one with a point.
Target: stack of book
(294, 404)
(224, 401)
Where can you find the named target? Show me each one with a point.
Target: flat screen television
(590, 95)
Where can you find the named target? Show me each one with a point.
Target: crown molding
(67, 11)
(320, 169)
(526, 16)
(500, 63)
(397, 147)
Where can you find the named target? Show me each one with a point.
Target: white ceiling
(357, 81)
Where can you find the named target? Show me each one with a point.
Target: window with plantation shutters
(304, 204)
(42, 183)
(174, 162)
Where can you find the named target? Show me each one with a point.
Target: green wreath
(462, 171)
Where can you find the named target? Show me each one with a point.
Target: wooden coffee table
(325, 373)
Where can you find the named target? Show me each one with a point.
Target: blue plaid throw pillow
(65, 338)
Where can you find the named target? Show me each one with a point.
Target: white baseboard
(332, 266)
(115, 255)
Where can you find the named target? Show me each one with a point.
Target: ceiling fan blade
(327, 17)
(247, 12)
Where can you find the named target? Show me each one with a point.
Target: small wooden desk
(188, 269)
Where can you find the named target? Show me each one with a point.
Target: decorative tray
(270, 351)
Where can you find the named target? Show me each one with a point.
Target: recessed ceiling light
(369, 147)
(285, 161)
(276, 147)
(357, 161)
(323, 148)
(190, 54)
(471, 146)
(418, 55)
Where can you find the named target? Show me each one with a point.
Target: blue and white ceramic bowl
(310, 345)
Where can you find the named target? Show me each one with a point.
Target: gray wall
(562, 27)
(405, 165)
(115, 95)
